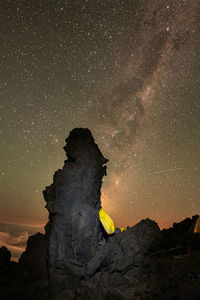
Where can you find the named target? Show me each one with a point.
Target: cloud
(13, 241)
(16, 244)
(14, 236)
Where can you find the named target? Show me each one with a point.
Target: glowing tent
(197, 226)
(106, 221)
(123, 228)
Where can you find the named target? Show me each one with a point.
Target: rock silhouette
(5, 256)
(73, 202)
(33, 260)
(77, 260)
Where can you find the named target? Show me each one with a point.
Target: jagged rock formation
(33, 260)
(26, 279)
(73, 202)
(79, 253)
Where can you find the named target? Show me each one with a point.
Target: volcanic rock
(33, 260)
(73, 201)
(5, 256)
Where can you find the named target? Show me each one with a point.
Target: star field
(128, 71)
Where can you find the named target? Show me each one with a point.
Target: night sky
(127, 70)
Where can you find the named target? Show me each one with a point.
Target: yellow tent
(107, 222)
(123, 228)
(197, 226)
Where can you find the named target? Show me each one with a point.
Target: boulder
(5, 256)
(33, 260)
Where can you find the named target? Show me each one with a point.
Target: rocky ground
(170, 270)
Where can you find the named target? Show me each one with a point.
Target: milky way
(143, 116)
(129, 71)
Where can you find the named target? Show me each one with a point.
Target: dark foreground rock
(77, 260)
(27, 279)
(5, 256)
(33, 260)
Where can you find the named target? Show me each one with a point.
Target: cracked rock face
(79, 252)
(73, 202)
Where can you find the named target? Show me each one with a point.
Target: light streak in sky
(165, 171)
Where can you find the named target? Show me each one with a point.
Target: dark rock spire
(73, 202)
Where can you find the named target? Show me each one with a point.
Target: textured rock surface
(73, 202)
